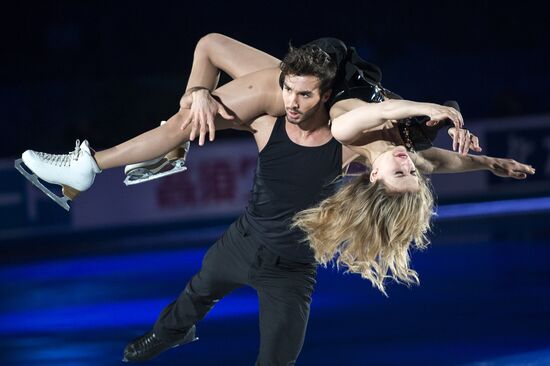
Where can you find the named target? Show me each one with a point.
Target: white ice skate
(171, 163)
(74, 171)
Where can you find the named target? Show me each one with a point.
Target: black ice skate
(149, 346)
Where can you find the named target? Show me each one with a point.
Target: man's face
(302, 97)
(396, 170)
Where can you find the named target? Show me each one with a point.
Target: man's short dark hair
(309, 60)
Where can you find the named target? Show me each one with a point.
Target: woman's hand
(509, 168)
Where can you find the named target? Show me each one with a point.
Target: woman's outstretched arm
(436, 160)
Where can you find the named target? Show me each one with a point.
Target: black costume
(417, 136)
(355, 78)
(360, 79)
(261, 251)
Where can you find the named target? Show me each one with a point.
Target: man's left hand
(464, 140)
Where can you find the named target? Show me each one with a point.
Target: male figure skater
(298, 163)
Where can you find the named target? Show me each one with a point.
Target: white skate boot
(74, 171)
(171, 163)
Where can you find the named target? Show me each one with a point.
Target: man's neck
(314, 123)
(312, 132)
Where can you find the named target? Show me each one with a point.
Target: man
(259, 249)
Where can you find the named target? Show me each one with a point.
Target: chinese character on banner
(176, 191)
(218, 182)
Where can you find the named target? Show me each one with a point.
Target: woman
(256, 91)
(393, 198)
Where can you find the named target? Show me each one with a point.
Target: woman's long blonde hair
(369, 229)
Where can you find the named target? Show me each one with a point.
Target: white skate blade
(61, 201)
(137, 179)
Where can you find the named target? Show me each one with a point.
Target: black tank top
(288, 179)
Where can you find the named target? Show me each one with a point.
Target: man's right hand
(203, 110)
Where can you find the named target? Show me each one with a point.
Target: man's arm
(436, 160)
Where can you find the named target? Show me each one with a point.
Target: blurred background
(77, 286)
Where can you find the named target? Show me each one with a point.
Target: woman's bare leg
(215, 52)
(247, 97)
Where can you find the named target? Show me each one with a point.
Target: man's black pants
(284, 288)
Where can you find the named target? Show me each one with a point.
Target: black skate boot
(149, 346)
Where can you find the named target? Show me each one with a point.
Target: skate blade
(184, 343)
(133, 179)
(150, 168)
(61, 201)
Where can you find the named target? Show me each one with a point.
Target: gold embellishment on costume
(408, 142)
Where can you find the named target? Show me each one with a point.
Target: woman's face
(396, 170)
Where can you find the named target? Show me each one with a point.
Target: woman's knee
(209, 42)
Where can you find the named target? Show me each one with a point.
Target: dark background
(106, 71)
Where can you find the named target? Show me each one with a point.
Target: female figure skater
(358, 103)
(341, 226)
